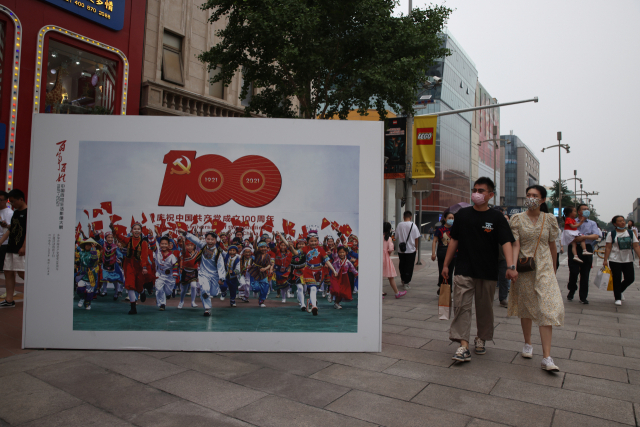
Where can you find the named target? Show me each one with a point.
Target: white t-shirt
(402, 231)
(5, 215)
(616, 254)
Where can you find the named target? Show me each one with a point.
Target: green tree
(566, 199)
(332, 56)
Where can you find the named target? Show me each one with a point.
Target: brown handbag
(527, 264)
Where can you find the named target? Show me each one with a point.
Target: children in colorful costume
(135, 264)
(246, 260)
(282, 270)
(340, 283)
(232, 268)
(165, 261)
(87, 277)
(111, 271)
(211, 272)
(189, 275)
(259, 271)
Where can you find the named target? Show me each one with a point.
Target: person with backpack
(408, 236)
(618, 256)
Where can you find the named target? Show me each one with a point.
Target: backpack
(625, 242)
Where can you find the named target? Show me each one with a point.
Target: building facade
(521, 170)
(452, 182)
(64, 58)
(483, 149)
(636, 211)
(174, 81)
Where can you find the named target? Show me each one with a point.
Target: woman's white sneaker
(618, 302)
(622, 297)
(548, 365)
(527, 351)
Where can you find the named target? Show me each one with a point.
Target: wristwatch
(512, 267)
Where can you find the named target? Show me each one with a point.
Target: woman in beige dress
(535, 296)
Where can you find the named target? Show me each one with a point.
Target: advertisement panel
(395, 147)
(424, 146)
(109, 13)
(183, 239)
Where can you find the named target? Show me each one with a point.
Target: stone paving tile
(392, 412)
(293, 363)
(490, 369)
(164, 354)
(372, 382)
(633, 334)
(434, 326)
(20, 363)
(634, 378)
(426, 333)
(304, 390)
(25, 398)
(484, 423)
(614, 390)
(485, 406)
(212, 364)
(596, 341)
(79, 416)
(596, 406)
(626, 321)
(370, 361)
(392, 307)
(208, 391)
(100, 387)
(392, 329)
(571, 419)
(568, 331)
(274, 411)
(496, 354)
(559, 352)
(134, 365)
(416, 316)
(580, 368)
(606, 359)
(448, 347)
(417, 355)
(403, 340)
(613, 312)
(187, 414)
(442, 376)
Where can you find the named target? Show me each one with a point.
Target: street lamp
(575, 180)
(560, 147)
(496, 146)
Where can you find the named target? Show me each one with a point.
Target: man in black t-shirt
(16, 248)
(476, 235)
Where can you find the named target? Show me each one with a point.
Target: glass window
(216, 89)
(79, 82)
(172, 70)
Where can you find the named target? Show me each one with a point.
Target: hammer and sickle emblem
(184, 169)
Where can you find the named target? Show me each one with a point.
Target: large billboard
(395, 147)
(203, 234)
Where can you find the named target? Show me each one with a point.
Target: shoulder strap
(544, 216)
(409, 234)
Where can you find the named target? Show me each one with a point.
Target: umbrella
(455, 208)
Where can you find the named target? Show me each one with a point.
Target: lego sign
(425, 136)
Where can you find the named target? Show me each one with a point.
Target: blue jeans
(503, 283)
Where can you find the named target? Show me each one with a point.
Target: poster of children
(201, 233)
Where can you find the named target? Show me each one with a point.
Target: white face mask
(532, 203)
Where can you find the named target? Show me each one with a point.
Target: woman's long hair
(543, 194)
(386, 230)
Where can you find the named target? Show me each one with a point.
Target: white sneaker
(180, 304)
(263, 306)
(221, 298)
(576, 259)
(194, 305)
(329, 297)
(337, 306)
(284, 300)
(88, 307)
(622, 297)
(548, 365)
(618, 302)
(324, 294)
(527, 351)
(127, 298)
(80, 303)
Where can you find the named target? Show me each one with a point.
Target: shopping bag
(444, 301)
(610, 285)
(603, 276)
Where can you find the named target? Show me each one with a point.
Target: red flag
(97, 225)
(144, 218)
(115, 218)
(245, 224)
(288, 227)
(304, 231)
(325, 223)
(218, 226)
(335, 225)
(133, 221)
(345, 229)
(97, 212)
(107, 207)
(153, 217)
(182, 225)
(268, 226)
(120, 230)
(171, 225)
(78, 230)
(145, 231)
(236, 223)
(87, 212)
(162, 227)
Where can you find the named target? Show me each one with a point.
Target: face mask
(477, 198)
(586, 214)
(621, 228)
(449, 222)
(532, 203)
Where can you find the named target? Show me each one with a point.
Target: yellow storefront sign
(424, 147)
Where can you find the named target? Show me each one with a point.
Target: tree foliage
(332, 56)
(566, 199)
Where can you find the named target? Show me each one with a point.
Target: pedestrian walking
(618, 256)
(535, 296)
(408, 236)
(630, 225)
(441, 239)
(388, 270)
(475, 235)
(17, 246)
(590, 230)
(6, 213)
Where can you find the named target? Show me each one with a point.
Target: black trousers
(580, 269)
(618, 269)
(407, 261)
(452, 266)
(3, 252)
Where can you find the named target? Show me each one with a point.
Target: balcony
(160, 100)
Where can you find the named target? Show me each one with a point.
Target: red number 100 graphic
(213, 180)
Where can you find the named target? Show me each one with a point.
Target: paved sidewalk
(413, 382)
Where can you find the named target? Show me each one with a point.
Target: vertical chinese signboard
(395, 147)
